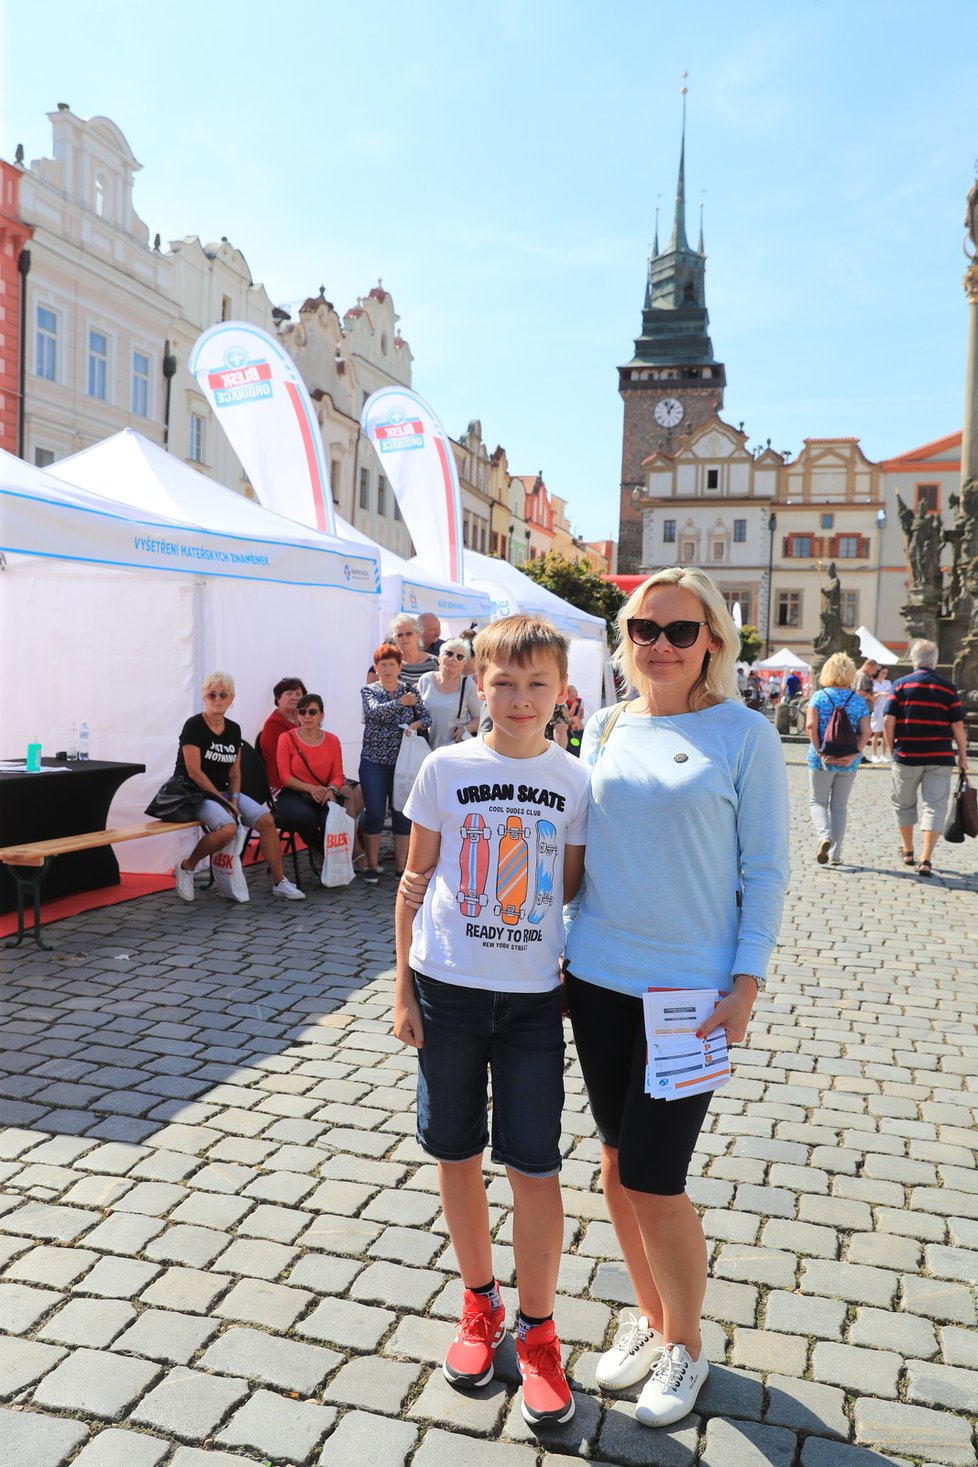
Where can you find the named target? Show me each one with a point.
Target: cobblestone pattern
(219, 1241)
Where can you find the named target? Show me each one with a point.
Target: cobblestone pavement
(220, 1243)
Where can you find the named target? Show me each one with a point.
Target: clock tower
(673, 383)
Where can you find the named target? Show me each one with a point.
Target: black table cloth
(72, 801)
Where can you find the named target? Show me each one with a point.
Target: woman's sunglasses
(460, 656)
(309, 712)
(644, 632)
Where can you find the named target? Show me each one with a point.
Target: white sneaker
(671, 1392)
(289, 890)
(185, 883)
(636, 1349)
(822, 854)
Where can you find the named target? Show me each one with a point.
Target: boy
(502, 821)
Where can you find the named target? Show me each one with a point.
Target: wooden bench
(29, 863)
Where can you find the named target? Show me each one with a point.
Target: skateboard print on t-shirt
(543, 898)
(513, 870)
(473, 864)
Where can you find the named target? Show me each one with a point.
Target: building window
(381, 494)
(718, 550)
(100, 195)
(483, 538)
(43, 457)
(140, 385)
(225, 308)
(465, 530)
(687, 552)
(743, 599)
(46, 361)
(669, 531)
(800, 547)
(828, 520)
(788, 612)
(849, 608)
(740, 531)
(364, 488)
(847, 547)
(397, 511)
(195, 439)
(713, 478)
(334, 480)
(927, 497)
(98, 364)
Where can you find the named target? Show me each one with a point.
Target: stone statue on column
(832, 635)
(922, 539)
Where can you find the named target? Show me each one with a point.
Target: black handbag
(962, 818)
(177, 799)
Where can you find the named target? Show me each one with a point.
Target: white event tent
(406, 586)
(129, 576)
(509, 591)
(870, 646)
(783, 661)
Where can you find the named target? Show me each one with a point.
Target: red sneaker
(469, 1360)
(546, 1395)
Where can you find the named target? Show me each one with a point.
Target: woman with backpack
(837, 726)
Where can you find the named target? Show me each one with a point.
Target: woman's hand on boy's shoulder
(413, 886)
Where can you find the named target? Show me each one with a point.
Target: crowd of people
(418, 684)
(917, 723)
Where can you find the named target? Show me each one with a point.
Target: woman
(450, 696)
(283, 718)
(830, 778)
(406, 636)
(210, 754)
(882, 688)
(686, 867)
(390, 706)
(310, 777)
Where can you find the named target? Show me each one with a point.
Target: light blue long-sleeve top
(687, 850)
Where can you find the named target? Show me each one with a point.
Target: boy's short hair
(517, 639)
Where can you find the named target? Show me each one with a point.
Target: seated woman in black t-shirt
(210, 755)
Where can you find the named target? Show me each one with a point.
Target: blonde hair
(718, 678)
(838, 671)
(516, 639)
(218, 680)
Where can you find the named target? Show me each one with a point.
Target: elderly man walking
(923, 721)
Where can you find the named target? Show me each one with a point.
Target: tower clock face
(669, 411)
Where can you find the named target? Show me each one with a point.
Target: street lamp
(772, 525)
(881, 526)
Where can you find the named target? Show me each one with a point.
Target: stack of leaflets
(679, 1063)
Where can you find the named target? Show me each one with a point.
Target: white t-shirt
(492, 915)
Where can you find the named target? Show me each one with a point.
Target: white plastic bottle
(83, 742)
(73, 741)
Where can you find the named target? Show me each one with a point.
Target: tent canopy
(784, 661)
(128, 588)
(235, 537)
(406, 586)
(870, 646)
(510, 591)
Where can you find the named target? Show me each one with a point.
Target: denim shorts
(518, 1038)
(212, 815)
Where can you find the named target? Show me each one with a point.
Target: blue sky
(499, 167)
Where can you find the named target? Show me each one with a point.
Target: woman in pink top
(310, 774)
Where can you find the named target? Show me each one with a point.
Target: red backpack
(839, 739)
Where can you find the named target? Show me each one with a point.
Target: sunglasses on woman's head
(643, 631)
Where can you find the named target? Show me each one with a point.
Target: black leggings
(654, 1138)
